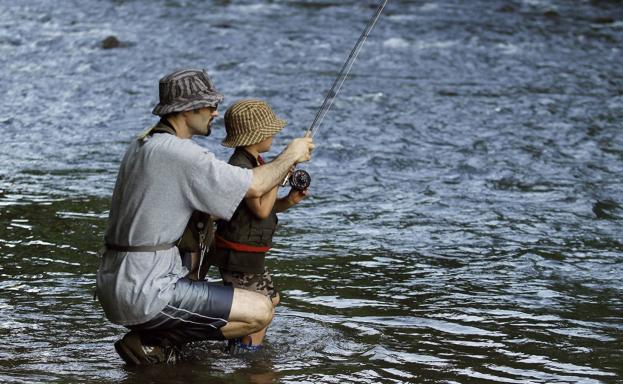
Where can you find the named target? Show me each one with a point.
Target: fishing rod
(301, 179)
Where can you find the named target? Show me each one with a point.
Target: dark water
(465, 224)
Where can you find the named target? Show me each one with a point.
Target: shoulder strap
(161, 126)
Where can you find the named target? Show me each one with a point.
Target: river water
(465, 223)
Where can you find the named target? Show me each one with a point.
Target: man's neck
(179, 124)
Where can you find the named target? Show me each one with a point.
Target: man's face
(199, 120)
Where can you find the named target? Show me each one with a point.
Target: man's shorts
(196, 312)
(256, 282)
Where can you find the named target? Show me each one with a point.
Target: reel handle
(285, 181)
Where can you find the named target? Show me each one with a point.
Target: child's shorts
(256, 282)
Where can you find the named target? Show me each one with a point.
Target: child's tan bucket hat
(250, 121)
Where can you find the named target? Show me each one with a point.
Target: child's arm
(262, 206)
(294, 197)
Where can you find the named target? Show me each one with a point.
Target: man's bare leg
(258, 337)
(250, 313)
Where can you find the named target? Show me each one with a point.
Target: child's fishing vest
(241, 243)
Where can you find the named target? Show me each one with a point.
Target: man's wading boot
(133, 352)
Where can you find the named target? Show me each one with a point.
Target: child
(240, 245)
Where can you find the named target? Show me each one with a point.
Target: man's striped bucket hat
(186, 90)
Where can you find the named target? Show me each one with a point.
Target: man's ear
(186, 115)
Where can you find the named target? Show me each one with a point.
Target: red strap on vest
(223, 243)
(260, 160)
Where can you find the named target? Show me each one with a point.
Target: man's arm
(268, 176)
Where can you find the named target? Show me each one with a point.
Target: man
(162, 179)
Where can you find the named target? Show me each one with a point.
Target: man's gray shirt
(161, 181)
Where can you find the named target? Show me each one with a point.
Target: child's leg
(261, 283)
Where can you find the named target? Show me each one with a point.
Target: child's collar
(259, 160)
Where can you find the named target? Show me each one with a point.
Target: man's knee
(265, 312)
(252, 308)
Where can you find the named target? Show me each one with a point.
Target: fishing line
(301, 179)
(346, 68)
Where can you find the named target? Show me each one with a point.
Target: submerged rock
(606, 209)
(604, 20)
(223, 25)
(551, 14)
(506, 8)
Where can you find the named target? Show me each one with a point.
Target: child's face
(264, 145)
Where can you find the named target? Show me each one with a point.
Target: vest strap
(139, 248)
(162, 126)
(223, 243)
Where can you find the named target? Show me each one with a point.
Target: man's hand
(301, 149)
(267, 176)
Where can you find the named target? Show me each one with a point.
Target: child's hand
(295, 196)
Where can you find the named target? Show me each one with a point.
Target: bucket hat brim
(267, 130)
(181, 104)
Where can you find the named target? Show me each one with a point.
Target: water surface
(465, 223)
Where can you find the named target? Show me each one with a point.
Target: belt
(139, 248)
(223, 243)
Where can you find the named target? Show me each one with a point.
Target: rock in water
(551, 14)
(111, 42)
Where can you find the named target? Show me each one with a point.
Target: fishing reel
(299, 180)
